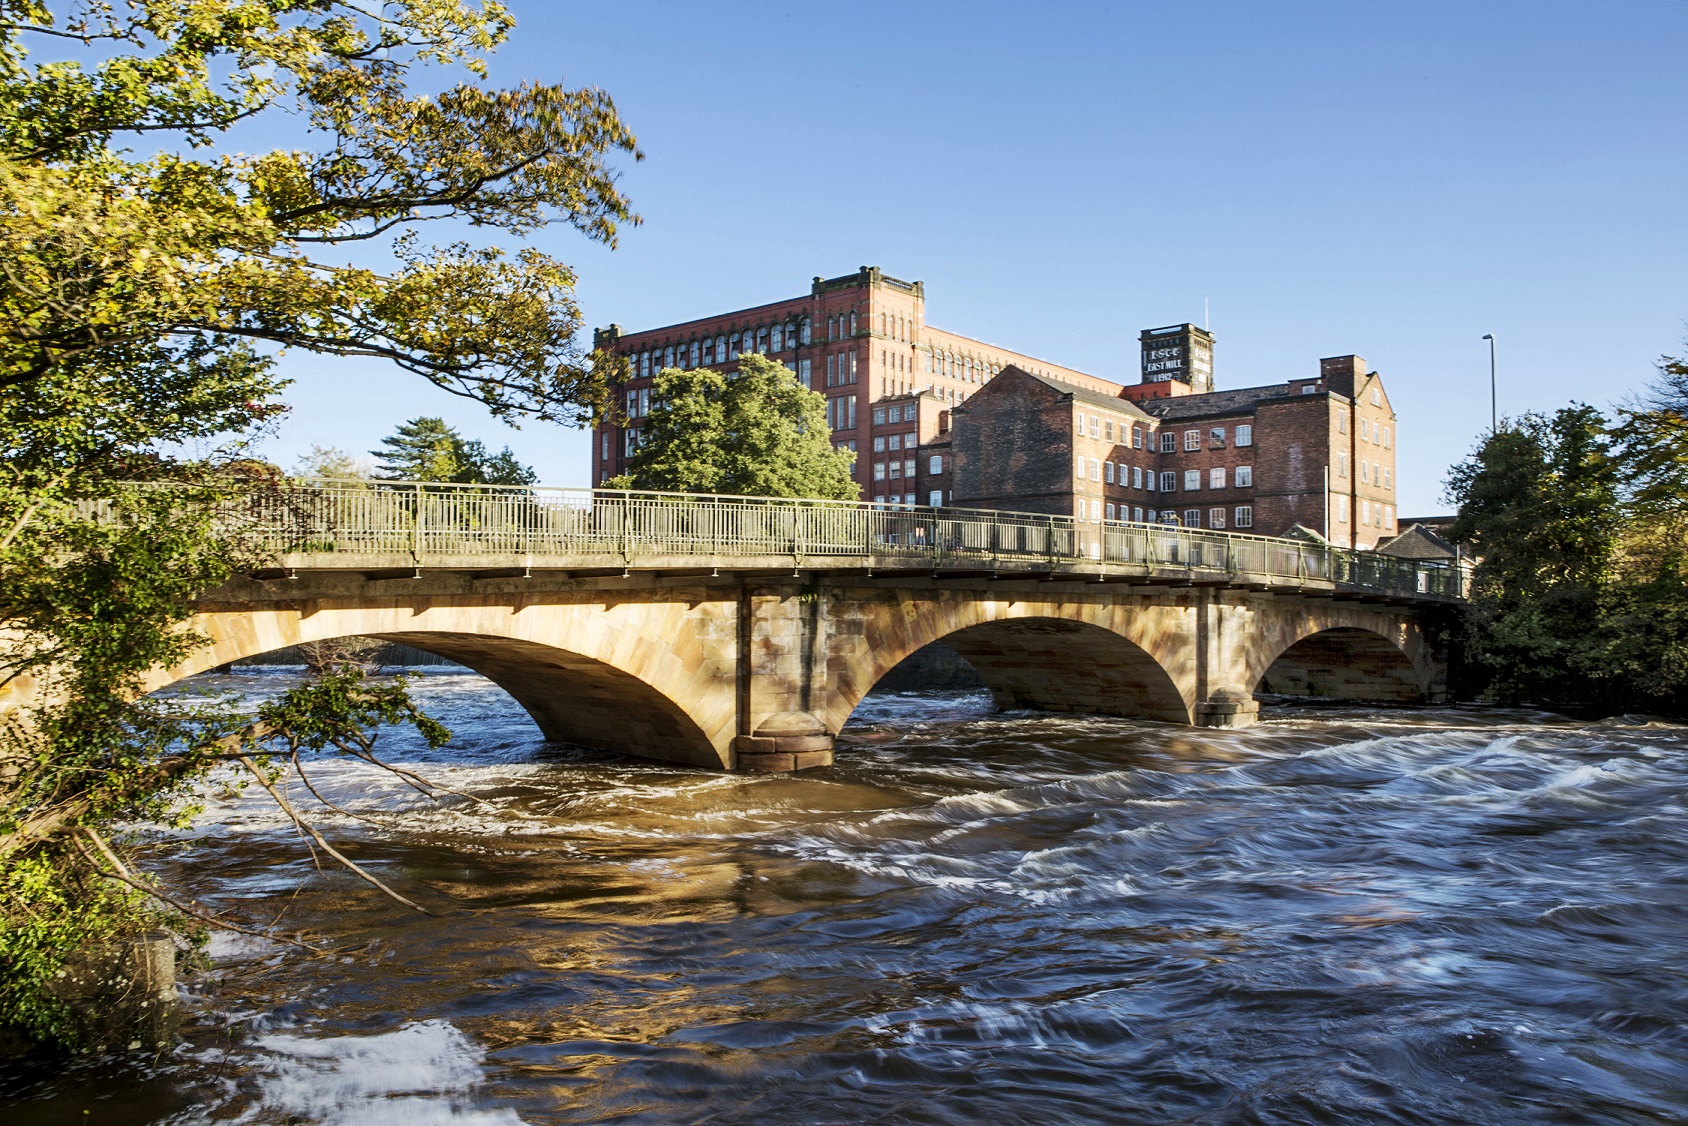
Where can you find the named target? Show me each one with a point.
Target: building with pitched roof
(941, 419)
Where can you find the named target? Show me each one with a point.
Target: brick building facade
(937, 418)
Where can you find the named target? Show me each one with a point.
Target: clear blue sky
(1390, 180)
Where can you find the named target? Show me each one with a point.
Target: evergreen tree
(756, 432)
(426, 449)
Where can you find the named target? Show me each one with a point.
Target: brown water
(1337, 916)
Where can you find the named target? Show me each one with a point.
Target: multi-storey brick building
(936, 418)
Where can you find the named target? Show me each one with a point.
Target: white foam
(419, 1075)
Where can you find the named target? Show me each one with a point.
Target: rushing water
(1340, 915)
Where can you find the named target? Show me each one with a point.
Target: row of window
(1372, 514)
(1103, 429)
(899, 412)
(884, 470)
(895, 442)
(1375, 433)
(935, 498)
(1134, 477)
(1242, 516)
(1370, 473)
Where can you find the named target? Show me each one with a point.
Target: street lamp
(1494, 424)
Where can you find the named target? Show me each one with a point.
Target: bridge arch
(581, 682)
(1065, 656)
(1354, 659)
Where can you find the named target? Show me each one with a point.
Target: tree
(756, 432)
(1579, 594)
(426, 449)
(146, 285)
(149, 258)
(331, 461)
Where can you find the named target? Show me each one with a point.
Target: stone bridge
(741, 634)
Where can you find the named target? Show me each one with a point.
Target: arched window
(803, 331)
(790, 334)
(733, 347)
(720, 349)
(644, 363)
(762, 340)
(852, 324)
(697, 353)
(778, 342)
(832, 328)
(708, 350)
(882, 331)
(668, 356)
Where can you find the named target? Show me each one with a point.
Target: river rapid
(1341, 915)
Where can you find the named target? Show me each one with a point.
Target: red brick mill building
(940, 419)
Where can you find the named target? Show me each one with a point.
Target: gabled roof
(1239, 401)
(1418, 542)
(1083, 394)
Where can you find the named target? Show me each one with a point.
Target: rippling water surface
(1340, 915)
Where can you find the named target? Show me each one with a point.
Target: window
(1168, 481)
(935, 498)
(1095, 470)
(1245, 476)
(1309, 388)
(1216, 517)
(935, 464)
(1168, 441)
(1376, 397)
(777, 342)
(1342, 465)
(1365, 430)
(852, 425)
(1245, 516)
(852, 367)
(879, 471)
(1192, 440)
(733, 346)
(1342, 510)
(606, 445)
(908, 471)
(1192, 517)
(1388, 478)
(1216, 479)
(852, 324)
(1245, 435)
(1216, 440)
(895, 414)
(895, 442)
(1078, 467)
(1137, 514)
(879, 443)
(644, 401)
(1365, 471)
(804, 372)
(879, 416)
(803, 331)
(1078, 423)
(910, 441)
(1137, 476)
(1342, 422)
(1365, 513)
(1108, 474)
(629, 442)
(720, 349)
(1136, 437)
(1192, 480)
(632, 403)
(1108, 431)
(896, 469)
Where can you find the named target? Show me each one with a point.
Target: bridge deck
(393, 529)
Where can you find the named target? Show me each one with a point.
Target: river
(1341, 915)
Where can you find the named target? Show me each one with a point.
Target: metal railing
(447, 525)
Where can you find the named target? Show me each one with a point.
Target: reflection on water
(1338, 916)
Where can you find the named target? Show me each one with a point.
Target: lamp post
(1494, 418)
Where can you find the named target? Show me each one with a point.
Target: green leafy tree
(756, 432)
(1575, 598)
(147, 283)
(426, 449)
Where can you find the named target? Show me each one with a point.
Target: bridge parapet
(381, 526)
